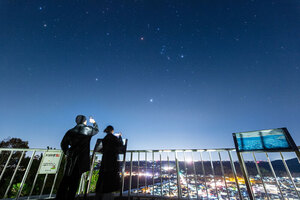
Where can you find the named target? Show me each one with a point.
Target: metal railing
(184, 174)
(19, 177)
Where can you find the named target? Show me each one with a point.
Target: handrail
(145, 150)
(198, 177)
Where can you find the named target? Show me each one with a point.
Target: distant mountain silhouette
(293, 165)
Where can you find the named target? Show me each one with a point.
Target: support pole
(130, 175)
(5, 166)
(25, 175)
(290, 175)
(14, 174)
(235, 175)
(223, 173)
(261, 176)
(204, 174)
(178, 177)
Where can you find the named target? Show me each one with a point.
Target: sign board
(270, 140)
(50, 162)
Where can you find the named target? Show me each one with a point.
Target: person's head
(81, 119)
(109, 129)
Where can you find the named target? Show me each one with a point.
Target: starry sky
(166, 73)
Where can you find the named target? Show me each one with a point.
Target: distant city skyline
(167, 74)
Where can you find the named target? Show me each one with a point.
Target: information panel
(50, 162)
(270, 140)
(264, 140)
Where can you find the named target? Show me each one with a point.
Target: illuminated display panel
(263, 140)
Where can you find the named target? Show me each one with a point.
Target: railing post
(146, 183)
(169, 183)
(186, 175)
(138, 177)
(55, 177)
(204, 174)
(130, 175)
(160, 173)
(213, 172)
(261, 176)
(223, 173)
(195, 176)
(246, 175)
(35, 178)
(44, 183)
(178, 177)
(5, 166)
(14, 174)
(235, 175)
(153, 173)
(81, 184)
(25, 175)
(90, 174)
(123, 174)
(290, 175)
(273, 172)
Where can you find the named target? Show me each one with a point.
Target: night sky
(167, 74)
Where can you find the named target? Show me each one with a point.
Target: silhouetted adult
(109, 176)
(76, 146)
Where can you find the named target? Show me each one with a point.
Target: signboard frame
(289, 139)
(293, 148)
(43, 159)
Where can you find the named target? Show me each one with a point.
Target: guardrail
(19, 175)
(184, 174)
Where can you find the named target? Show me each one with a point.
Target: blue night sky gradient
(167, 74)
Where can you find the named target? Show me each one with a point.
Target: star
(181, 56)
(163, 50)
(45, 25)
(96, 79)
(142, 38)
(151, 100)
(40, 8)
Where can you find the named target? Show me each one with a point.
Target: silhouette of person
(109, 178)
(76, 146)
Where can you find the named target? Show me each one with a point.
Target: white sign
(50, 162)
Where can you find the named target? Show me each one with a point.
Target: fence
(184, 174)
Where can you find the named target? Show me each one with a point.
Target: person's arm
(65, 143)
(95, 129)
(91, 130)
